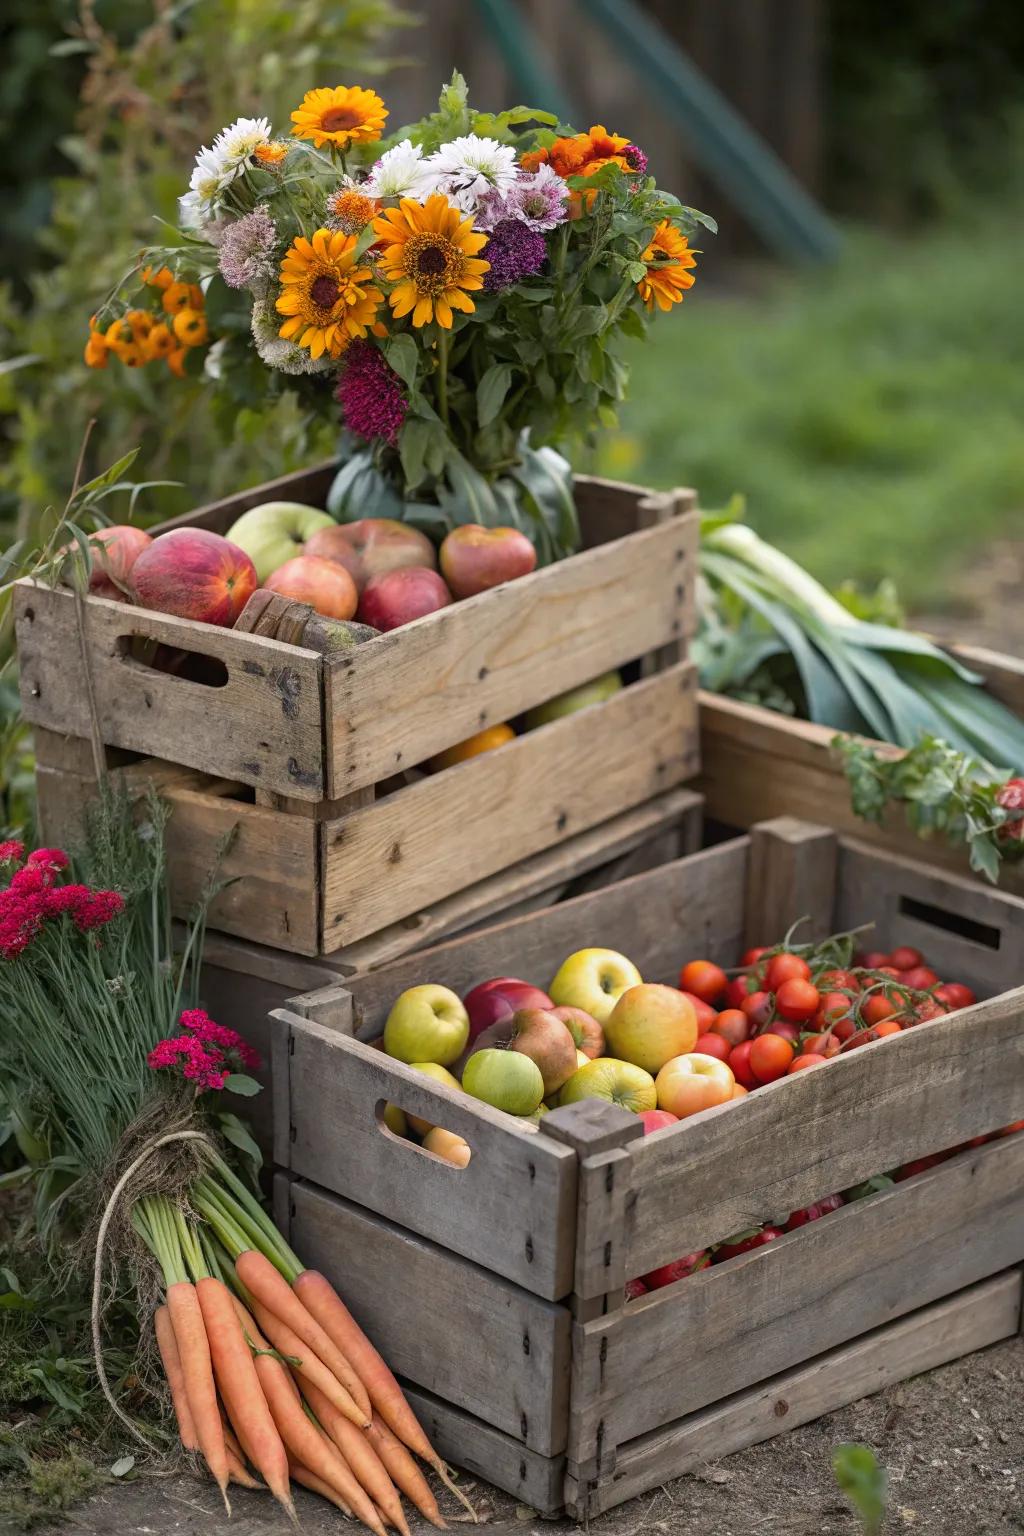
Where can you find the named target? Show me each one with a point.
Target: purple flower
(247, 250)
(540, 200)
(373, 402)
(635, 159)
(514, 252)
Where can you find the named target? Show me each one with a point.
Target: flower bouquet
(458, 296)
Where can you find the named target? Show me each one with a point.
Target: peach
(474, 558)
(324, 584)
(194, 574)
(114, 552)
(372, 547)
(400, 596)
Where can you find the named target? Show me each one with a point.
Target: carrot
(385, 1394)
(308, 1479)
(241, 1390)
(190, 1336)
(267, 1286)
(403, 1471)
(164, 1329)
(239, 1472)
(311, 1367)
(360, 1455)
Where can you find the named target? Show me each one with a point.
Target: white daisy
(236, 144)
(400, 172)
(470, 167)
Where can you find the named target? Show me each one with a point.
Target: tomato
(919, 1165)
(752, 956)
(814, 1212)
(807, 1059)
(797, 1000)
(844, 1029)
(635, 1288)
(703, 979)
(785, 967)
(921, 977)
(706, 1015)
(668, 1274)
(739, 988)
(838, 981)
(834, 1006)
(878, 1007)
(1011, 1130)
(927, 1009)
(790, 1032)
(732, 1024)
(770, 1056)
(873, 958)
(877, 1032)
(739, 1064)
(905, 958)
(955, 995)
(886, 1028)
(759, 1008)
(890, 970)
(822, 1044)
(713, 1045)
(744, 1242)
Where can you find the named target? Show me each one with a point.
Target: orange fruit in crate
(483, 741)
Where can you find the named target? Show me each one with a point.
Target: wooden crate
(756, 764)
(514, 1333)
(315, 758)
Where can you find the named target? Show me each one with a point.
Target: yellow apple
(427, 1023)
(620, 1082)
(687, 1084)
(506, 1079)
(594, 980)
(650, 1024)
(454, 1149)
(440, 1075)
(394, 1119)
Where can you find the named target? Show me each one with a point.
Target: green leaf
(237, 1133)
(109, 475)
(413, 442)
(636, 271)
(864, 1482)
(245, 1087)
(403, 355)
(491, 392)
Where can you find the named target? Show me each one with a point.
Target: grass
(871, 412)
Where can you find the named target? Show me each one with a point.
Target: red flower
(95, 908)
(203, 1028)
(48, 858)
(12, 852)
(200, 1064)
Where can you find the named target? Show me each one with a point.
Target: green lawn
(872, 413)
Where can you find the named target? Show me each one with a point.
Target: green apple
(506, 1079)
(394, 1119)
(620, 1082)
(594, 980)
(594, 692)
(440, 1075)
(427, 1023)
(275, 532)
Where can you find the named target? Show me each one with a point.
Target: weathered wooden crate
(756, 763)
(314, 757)
(497, 1290)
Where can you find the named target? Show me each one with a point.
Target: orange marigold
(668, 259)
(580, 155)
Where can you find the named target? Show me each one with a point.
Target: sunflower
(430, 255)
(326, 298)
(667, 259)
(340, 115)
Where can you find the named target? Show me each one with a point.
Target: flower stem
(442, 375)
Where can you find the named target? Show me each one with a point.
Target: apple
(594, 980)
(594, 692)
(194, 574)
(445, 1144)
(690, 1083)
(650, 1024)
(399, 597)
(324, 584)
(372, 547)
(474, 558)
(585, 1030)
(394, 1119)
(537, 1033)
(114, 552)
(427, 1023)
(507, 1079)
(273, 533)
(497, 999)
(668, 1274)
(620, 1082)
(657, 1120)
(439, 1074)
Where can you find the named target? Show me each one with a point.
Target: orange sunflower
(667, 259)
(430, 255)
(326, 298)
(340, 115)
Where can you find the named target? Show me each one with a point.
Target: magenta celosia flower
(49, 858)
(12, 852)
(635, 159)
(96, 908)
(203, 1028)
(200, 1064)
(247, 250)
(33, 877)
(514, 252)
(370, 393)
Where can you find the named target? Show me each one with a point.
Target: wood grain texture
(537, 1481)
(408, 695)
(599, 1134)
(931, 1336)
(467, 823)
(723, 1329)
(461, 1332)
(805, 1136)
(264, 727)
(692, 906)
(309, 486)
(1004, 675)
(792, 876)
(511, 1209)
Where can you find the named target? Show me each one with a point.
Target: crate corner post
(792, 875)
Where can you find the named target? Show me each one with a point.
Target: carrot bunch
(268, 1369)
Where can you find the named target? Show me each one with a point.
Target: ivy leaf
(491, 392)
(403, 355)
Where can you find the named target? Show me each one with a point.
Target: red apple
(398, 597)
(194, 574)
(324, 584)
(656, 1120)
(537, 1033)
(474, 558)
(498, 999)
(584, 1028)
(114, 552)
(372, 547)
(668, 1274)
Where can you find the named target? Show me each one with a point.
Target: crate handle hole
(138, 651)
(418, 1136)
(950, 922)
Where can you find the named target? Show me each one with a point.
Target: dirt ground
(952, 1442)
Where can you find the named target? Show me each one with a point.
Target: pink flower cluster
(207, 1053)
(33, 898)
